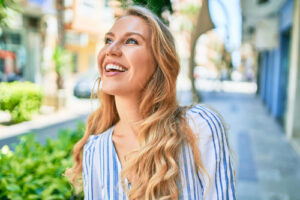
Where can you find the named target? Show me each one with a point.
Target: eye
(131, 41)
(107, 41)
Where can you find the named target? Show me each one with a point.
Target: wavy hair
(162, 130)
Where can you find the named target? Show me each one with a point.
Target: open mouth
(114, 68)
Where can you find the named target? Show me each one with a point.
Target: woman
(139, 144)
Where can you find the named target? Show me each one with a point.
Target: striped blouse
(101, 166)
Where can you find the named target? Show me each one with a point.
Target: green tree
(63, 64)
(158, 7)
(5, 7)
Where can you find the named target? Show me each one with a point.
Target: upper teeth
(111, 66)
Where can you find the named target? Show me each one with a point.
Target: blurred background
(239, 56)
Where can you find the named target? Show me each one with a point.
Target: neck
(128, 110)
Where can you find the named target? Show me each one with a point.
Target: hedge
(35, 171)
(21, 99)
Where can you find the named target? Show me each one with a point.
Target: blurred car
(85, 83)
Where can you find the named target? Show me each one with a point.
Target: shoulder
(94, 140)
(204, 120)
(208, 125)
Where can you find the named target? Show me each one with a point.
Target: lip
(108, 74)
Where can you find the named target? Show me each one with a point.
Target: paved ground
(48, 125)
(267, 165)
(48, 131)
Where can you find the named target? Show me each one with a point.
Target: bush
(21, 99)
(35, 171)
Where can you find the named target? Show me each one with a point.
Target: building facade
(276, 36)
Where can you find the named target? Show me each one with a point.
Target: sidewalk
(267, 165)
(76, 108)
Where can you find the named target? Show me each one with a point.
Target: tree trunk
(203, 24)
(60, 22)
(195, 94)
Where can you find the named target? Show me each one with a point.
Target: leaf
(35, 171)
(13, 187)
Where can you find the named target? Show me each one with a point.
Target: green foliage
(35, 171)
(63, 65)
(21, 99)
(157, 7)
(189, 13)
(190, 10)
(7, 6)
(62, 60)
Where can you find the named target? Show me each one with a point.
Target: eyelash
(106, 40)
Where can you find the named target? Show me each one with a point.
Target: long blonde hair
(162, 131)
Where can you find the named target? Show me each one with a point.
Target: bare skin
(127, 45)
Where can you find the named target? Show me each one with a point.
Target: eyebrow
(127, 34)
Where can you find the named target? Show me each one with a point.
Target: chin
(109, 92)
(114, 91)
(122, 92)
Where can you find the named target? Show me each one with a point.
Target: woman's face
(126, 62)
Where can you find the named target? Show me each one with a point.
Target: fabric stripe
(89, 172)
(211, 130)
(191, 172)
(221, 128)
(231, 181)
(102, 161)
(109, 167)
(92, 171)
(101, 149)
(195, 185)
(187, 173)
(183, 175)
(113, 169)
(201, 184)
(104, 155)
(232, 186)
(225, 151)
(97, 178)
(106, 167)
(220, 151)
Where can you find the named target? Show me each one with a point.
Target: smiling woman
(140, 144)
(127, 47)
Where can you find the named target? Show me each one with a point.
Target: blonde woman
(140, 144)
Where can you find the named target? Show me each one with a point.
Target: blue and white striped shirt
(101, 166)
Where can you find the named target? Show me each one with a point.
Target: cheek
(149, 66)
(144, 67)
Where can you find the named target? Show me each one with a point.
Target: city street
(267, 166)
(45, 132)
(48, 124)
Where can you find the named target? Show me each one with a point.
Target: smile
(114, 68)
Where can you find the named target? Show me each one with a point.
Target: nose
(113, 50)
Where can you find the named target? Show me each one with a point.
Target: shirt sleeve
(215, 153)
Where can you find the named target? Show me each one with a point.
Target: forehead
(131, 24)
